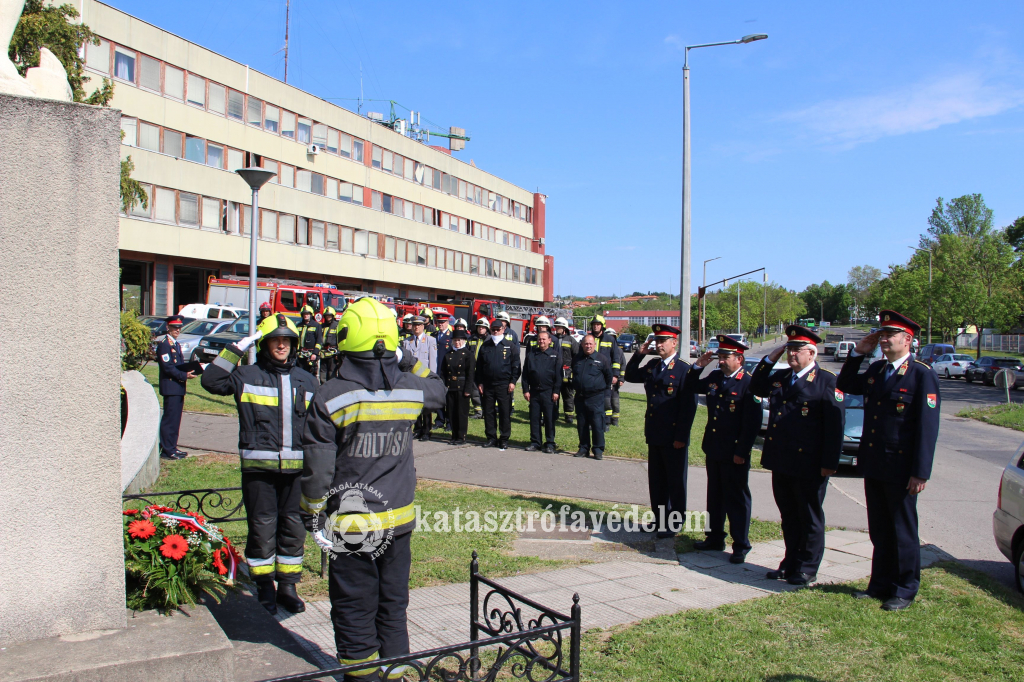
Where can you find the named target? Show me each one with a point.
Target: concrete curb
(140, 459)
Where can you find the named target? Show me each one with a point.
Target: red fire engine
(286, 296)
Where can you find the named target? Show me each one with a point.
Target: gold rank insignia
(810, 377)
(792, 332)
(671, 364)
(740, 374)
(886, 318)
(804, 411)
(669, 388)
(902, 370)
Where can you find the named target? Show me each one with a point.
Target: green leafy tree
(965, 216)
(1015, 234)
(859, 280)
(135, 339)
(640, 330)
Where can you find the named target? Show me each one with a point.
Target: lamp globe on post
(254, 177)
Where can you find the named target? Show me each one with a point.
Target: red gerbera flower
(130, 512)
(174, 547)
(141, 529)
(218, 563)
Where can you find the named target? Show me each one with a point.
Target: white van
(843, 349)
(212, 311)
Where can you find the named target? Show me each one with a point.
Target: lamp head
(255, 177)
(752, 37)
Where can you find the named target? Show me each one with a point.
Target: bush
(640, 330)
(135, 339)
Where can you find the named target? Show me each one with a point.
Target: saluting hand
(867, 344)
(705, 359)
(777, 353)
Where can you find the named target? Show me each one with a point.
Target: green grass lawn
(1011, 416)
(197, 399)
(963, 626)
(439, 557)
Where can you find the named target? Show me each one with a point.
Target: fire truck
(286, 296)
(470, 310)
(524, 317)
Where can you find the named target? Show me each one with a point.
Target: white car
(951, 365)
(213, 311)
(193, 332)
(843, 349)
(1008, 518)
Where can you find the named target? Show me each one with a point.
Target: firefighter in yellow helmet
(329, 359)
(481, 331)
(607, 346)
(358, 484)
(310, 341)
(272, 396)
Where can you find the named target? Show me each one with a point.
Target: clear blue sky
(821, 148)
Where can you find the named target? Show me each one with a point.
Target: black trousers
(328, 368)
(568, 396)
(590, 422)
(308, 365)
(729, 496)
(892, 525)
(803, 520)
(457, 405)
(277, 537)
(369, 600)
(474, 396)
(423, 424)
(170, 422)
(497, 402)
(666, 482)
(543, 410)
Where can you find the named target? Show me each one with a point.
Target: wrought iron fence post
(574, 638)
(474, 614)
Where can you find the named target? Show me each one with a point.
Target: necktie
(888, 371)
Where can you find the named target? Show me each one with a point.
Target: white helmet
(482, 322)
(408, 317)
(612, 331)
(561, 322)
(542, 321)
(462, 322)
(504, 316)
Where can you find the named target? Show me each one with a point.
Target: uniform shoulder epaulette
(826, 370)
(923, 364)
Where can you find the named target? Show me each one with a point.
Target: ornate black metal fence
(541, 647)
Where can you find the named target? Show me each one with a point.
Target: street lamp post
(684, 256)
(255, 178)
(704, 303)
(929, 290)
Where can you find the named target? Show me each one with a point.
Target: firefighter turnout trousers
(277, 536)
(369, 599)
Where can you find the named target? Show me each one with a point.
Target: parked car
(742, 338)
(578, 335)
(931, 351)
(694, 349)
(984, 369)
(843, 349)
(211, 346)
(749, 365)
(713, 346)
(1008, 519)
(951, 365)
(193, 332)
(627, 342)
(213, 311)
(853, 429)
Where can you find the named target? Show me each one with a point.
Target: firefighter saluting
(329, 359)
(310, 341)
(272, 396)
(358, 483)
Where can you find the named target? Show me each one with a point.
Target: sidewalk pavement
(611, 480)
(611, 593)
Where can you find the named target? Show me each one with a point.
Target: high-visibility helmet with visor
(306, 309)
(598, 319)
(330, 311)
(542, 321)
(277, 325)
(562, 322)
(367, 330)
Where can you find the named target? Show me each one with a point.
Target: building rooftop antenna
(287, 19)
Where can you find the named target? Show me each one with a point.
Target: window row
(151, 74)
(192, 210)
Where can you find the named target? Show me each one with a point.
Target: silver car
(193, 332)
(1008, 519)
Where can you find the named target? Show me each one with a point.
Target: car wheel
(194, 358)
(987, 381)
(948, 375)
(1018, 566)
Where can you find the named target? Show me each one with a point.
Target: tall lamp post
(255, 178)
(684, 256)
(704, 303)
(929, 289)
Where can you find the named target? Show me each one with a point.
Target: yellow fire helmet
(277, 325)
(427, 312)
(330, 311)
(306, 309)
(367, 330)
(598, 318)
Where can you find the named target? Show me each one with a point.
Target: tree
(132, 192)
(827, 301)
(639, 330)
(1015, 234)
(859, 279)
(965, 216)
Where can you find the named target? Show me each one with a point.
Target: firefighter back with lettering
(358, 482)
(271, 396)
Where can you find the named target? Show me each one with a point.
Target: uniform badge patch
(932, 399)
(804, 411)
(810, 377)
(903, 369)
(777, 384)
(900, 407)
(740, 374)
(756, 399)
(871, 381)
(839, 396)
(732, 407)
(165, 357)
(671, 364)
(670, 388)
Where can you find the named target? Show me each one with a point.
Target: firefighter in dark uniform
(570, 348)
(265, 311)
(272, 397)
(901, 426)
(734, 418)
(542, 323)
(591, 377)
(310, 341)
(608, 347)
(801, 448)
(496, 373)
(542, 384)
(457, 371)
(667, 423)
(443, 334)
(358, 483)
(172, 388)
(506, 328)
(428, 317)
(329, 360)
(480, 332)
(406, 330)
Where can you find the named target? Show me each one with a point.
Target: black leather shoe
(424, 437)
(532, 448)
(170, 455)
(897, 604)
(738, 558)
(598, 454)
(709, 546)
(615, 421)
(490, 443)
(582, 452)
(777, 574)
(289, 598)
(549, 449)
(180, 452)
(568, 420)
(502, 445)
(801, 579)
(867, 594)
(266, 594)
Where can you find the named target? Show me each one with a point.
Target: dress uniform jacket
(458, 368)
(271, 408)
(805, 423)
(422, 348)
(444, 345)
(734, 412)
(172, 379)
(901, 418)
(670, 408)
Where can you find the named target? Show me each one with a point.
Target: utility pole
(764, 310)
(287, 17)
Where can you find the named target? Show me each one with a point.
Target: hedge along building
(372, 210)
